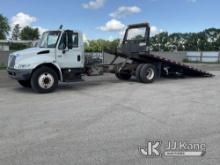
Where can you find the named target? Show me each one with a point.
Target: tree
(28, 33)
(176, 41)
(212, 37)
(159, 42)
(203, 42)
(100, 45)
(4, 27)
(16, 32)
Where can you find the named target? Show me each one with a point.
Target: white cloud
(85, 38)
(95, 4)
(124, 11)
(154, 30)
(22, 19)
(112, 25)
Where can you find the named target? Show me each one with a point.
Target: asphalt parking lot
(104, 121)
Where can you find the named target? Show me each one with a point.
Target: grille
(12, 62)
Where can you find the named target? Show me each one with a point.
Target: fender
(54, 66)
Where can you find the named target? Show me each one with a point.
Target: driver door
(70, 53)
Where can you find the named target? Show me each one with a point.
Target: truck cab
(59, 56)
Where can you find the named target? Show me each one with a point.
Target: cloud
(124, 11)
(85, 38)
(95, 4)
(112, 25)
(22, 19)
(154, 30)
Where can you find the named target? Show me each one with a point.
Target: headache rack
(136, 48)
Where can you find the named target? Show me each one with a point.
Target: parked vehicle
(60, 57)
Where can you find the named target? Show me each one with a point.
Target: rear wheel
(137, 72)
(25, 83)
(44, 80)
(148, 73)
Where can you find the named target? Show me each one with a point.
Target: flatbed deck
(145, 57)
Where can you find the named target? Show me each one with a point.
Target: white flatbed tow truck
(60, 57)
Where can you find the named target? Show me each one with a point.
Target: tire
(137, 72)
(123, 76)
(25, 83)
(148, 73)
(118, 75)
(44, 80)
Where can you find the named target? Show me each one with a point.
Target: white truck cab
(58, 57)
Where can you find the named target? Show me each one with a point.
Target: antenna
(61, 27)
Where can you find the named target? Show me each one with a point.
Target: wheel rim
(46, 80)
(150, 74)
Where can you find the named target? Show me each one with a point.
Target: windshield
(49, 39)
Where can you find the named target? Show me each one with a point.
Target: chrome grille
(12, 62)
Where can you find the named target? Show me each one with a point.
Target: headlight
(22, 66)
(17, 56)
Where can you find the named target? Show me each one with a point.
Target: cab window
(75, 39)
(69, 39)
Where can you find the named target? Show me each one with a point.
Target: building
(5, 44)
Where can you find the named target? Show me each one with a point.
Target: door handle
(78, 58)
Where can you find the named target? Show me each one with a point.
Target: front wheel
(44, 80)
(25, 83)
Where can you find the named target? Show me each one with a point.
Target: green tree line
(207, 40)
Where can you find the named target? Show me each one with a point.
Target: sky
(107, 19)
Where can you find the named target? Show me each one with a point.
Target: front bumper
(24, 74)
